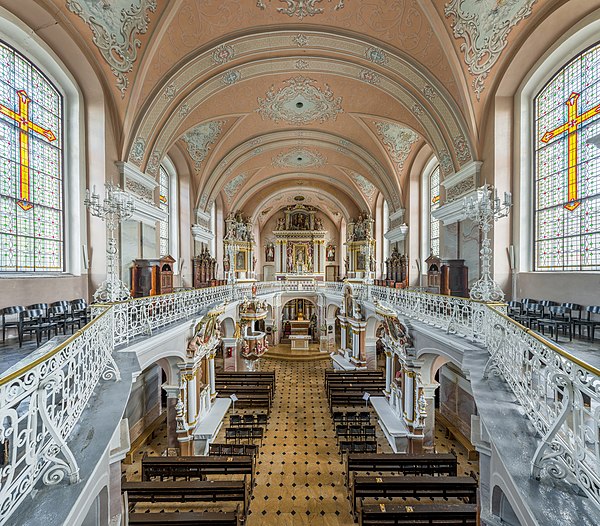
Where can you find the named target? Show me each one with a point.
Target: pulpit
(150, 277)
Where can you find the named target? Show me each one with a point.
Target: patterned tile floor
(300, 474)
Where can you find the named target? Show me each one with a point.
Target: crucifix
(572, 128)
(22, 117)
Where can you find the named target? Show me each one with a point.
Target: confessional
(150, 277)
(454, 278)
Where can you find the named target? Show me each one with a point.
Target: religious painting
(300, 221)
(240, 260)
(330, 253)
(300, 258)
(361, 262)
(270, 253)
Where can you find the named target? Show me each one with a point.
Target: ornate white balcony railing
(49, 392)
(40, 404)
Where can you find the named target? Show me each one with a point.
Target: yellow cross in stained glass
(572, 128)
(22, 117)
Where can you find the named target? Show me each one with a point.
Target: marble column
(343, 329)
(429, 431)
(284, 263)
(172, 397)
(211, 374)
(192, 398)
(278, 256)
(389, 371)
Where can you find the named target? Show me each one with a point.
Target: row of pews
(252, 389)
(409, 476)
(347, 388)
(225, 475)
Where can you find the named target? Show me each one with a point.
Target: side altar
(300, 244)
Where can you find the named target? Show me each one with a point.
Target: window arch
(164, 201)
(567, 167)
(434, 204)
(31, 168)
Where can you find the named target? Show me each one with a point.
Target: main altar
(300, 244)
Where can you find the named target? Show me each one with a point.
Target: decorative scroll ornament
(299, 158)
(300, 102)
(365, 185)
(301, 8)
(137, 151)
(199, 139)
(397, 139)
(115, 26)
(484, 26)
(232, 187)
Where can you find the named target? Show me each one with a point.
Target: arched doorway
(302, 314)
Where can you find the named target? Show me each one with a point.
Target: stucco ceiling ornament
(200, 138)
(115, 27)
(222, 54)
(484, 26)
(367, 188)
(301, 8)
(170, 91)
(300, 102)
(301, 64)
(376, 55)
(299, 158)
(300, 40)
(397, 139)
(369, 76)
(232, 187)
(463, 153)
(417, 109)
(445, 162)
(231, 77)
(137, 151)
(153, 163)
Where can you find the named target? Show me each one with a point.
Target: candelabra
(484, 212)
(231, 252)
(116, 207)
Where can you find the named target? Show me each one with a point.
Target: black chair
(261, 419)
(15, 310)
(365, 418)
(589, 322)
(547, 304)
(79, 310)
(559, 319)
(532, 313)
(514, 308)
(235, 420)
(35, 320)
(58, 314)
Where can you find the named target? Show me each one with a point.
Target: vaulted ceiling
(333, 98)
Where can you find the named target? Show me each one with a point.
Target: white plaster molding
(146, 212)
(202, 234)
(398, 215)
(396, 234)
(454, 211)
(202, 216)
(463, 181)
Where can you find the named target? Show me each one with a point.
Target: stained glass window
(434, 204)
(31, 168)
(567, 167)
(164, 205)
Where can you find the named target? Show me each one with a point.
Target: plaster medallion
(397, 139)
(137, 151)
(376, 55)
(299, 102)
(301, 64)
(231, 77)
(484, 25)
(299, 158)
(428, 92)
(344, 143)
(446, 162)
(301, 8)
(417, 109)
(365, 185)
(255, 141)
(369, 76)
(232, 187)
(184, 110)
(463, 154)
(170, 91)
(300, 40)
(153, 163)
(222, 54)
(257, 151)
(199, 139)
(115, 27)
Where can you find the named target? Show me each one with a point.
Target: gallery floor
(300, 474)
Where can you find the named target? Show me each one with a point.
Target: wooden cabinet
(454, 280)
(150, 277)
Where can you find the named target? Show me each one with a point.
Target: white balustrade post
(389, 365)
(211, 374)
(192, 396)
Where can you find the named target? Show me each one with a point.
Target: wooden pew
(212, 518)
(371, 387)
(248, 399)
(426, 514)
(402, 463)
(343, 397)
(188, 468)
(249, 378)
(188, 491)
(413, 487)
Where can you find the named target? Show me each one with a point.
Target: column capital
(171, 390)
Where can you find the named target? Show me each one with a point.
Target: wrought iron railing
(42, 400)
